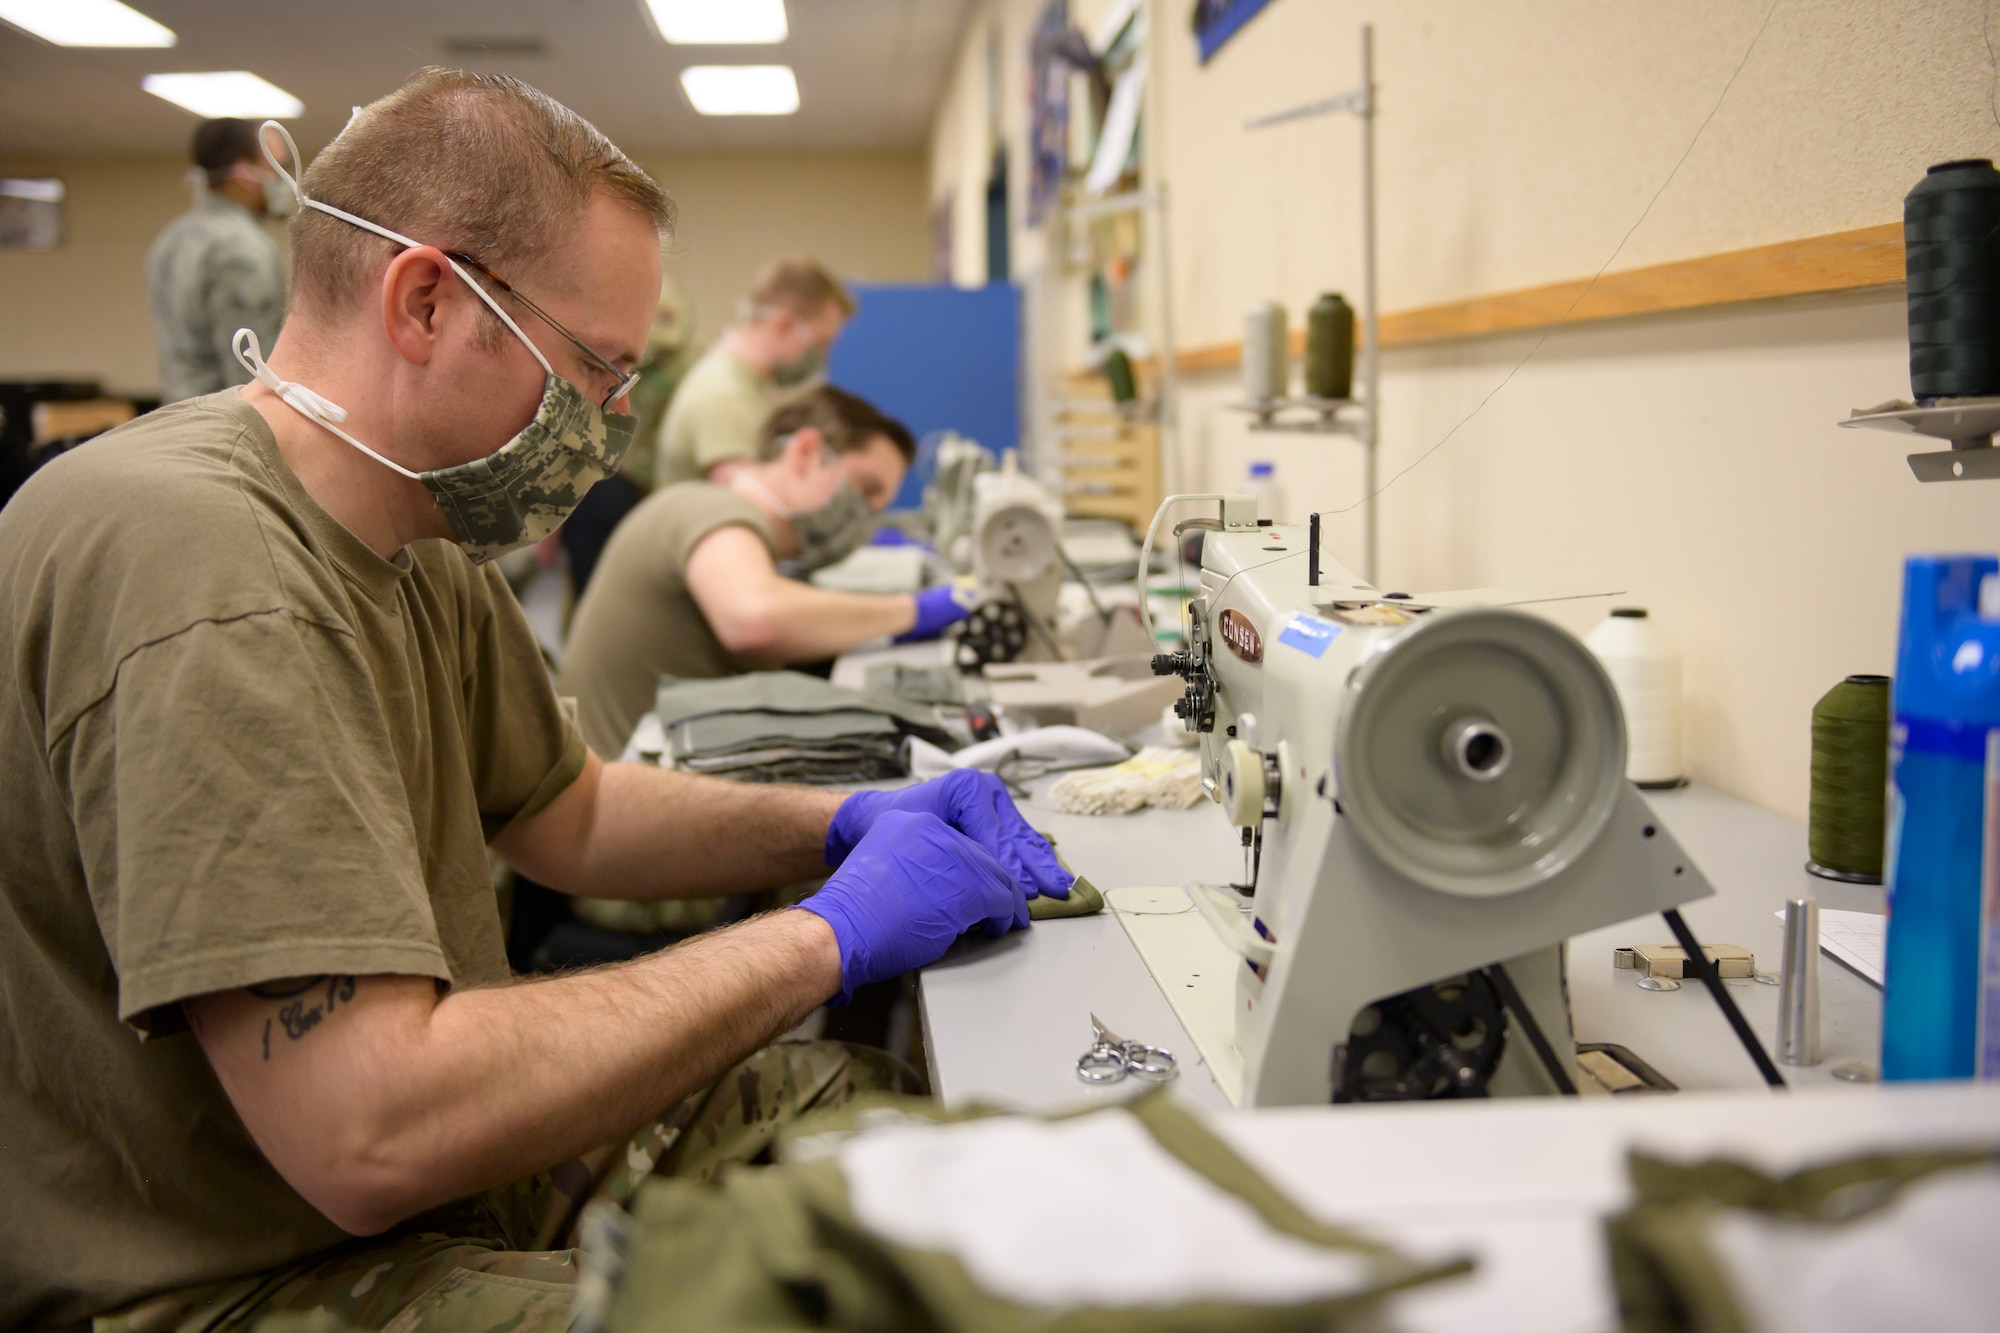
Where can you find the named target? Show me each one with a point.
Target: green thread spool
(1330, 348)
(1118, 372)
(1850, 774)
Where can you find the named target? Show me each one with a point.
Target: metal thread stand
(1327, 416)
(1968, 423)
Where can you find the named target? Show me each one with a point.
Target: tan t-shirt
(716, 415)
(240, 746)
(638, 621)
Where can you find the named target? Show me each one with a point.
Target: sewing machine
(1431, 796)
(1014, 548)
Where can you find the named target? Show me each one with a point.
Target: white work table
(1523, 1186)
(1005, 1019)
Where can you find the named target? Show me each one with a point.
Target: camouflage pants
(503, 1260)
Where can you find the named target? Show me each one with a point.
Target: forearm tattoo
(305, 1002)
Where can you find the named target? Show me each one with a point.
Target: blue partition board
(936, 357)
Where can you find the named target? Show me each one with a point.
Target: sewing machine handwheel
(1243, 785)
(1481, 752)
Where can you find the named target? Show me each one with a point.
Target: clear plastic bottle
(1942, 963)
(1270, 497)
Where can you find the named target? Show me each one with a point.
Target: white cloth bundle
(1084, 1212)
(1044, 748)
(1170, 779)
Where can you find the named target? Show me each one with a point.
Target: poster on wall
(31, 214)
(1048, 109)
(1216, 21)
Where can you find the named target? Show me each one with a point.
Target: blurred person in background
(215, 269)
(794, 312)
(586, 531)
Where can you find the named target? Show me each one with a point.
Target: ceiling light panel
(85, 23)
(741, 90)
(229, 92)
(719, 22)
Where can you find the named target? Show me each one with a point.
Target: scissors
(1111, 1057)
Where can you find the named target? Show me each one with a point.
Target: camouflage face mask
(837, 529)
(828, 533)
(516, 495)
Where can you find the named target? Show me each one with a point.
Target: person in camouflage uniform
(509, 1257)
(262, 1060)
(215, 269)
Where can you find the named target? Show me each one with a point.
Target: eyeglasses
(624, 381)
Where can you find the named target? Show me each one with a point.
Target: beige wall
(81, 311)
(1691, 460)
(862, 214)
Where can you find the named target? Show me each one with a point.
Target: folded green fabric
(919, 684)
(726, 733)
(1668, 1276)
(779, 1247)
(1083, 900)
(789, 693)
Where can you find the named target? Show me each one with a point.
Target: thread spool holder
(1968, 423)
(1306, 415)
(1343, 416)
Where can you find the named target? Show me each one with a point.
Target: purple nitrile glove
(891, 535)
(976, 804)
(936, 608)
(907, 890)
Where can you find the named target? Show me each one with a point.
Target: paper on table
(1855, 938)
(999, 1194)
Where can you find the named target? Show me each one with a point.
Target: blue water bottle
(1941, 992)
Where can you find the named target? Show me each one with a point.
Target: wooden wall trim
(1838, 262)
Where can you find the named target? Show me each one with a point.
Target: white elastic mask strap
(743, 481)
(400, 239)
(302, 400)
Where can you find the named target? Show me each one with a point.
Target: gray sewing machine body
(1437, 785)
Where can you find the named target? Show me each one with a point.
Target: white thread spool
(1645, 667)
(1267, 370)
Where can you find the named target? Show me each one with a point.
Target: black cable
(1711, 976)
(1511, 998)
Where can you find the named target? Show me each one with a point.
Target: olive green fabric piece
(1083, 900)
(787, 693)
(505, 1260)
(781, 1249)
(1668, 1277)
(937, 685)
(785, 726)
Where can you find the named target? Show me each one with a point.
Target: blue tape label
(1309, 634)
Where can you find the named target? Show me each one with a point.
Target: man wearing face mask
(794, 312)
(689, 585)
(215, 269)
(273, 704)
